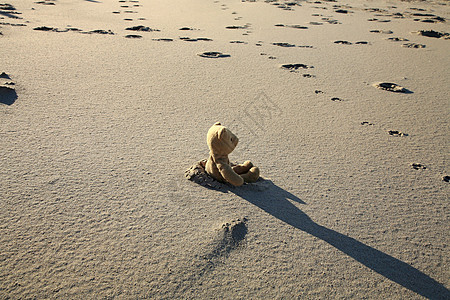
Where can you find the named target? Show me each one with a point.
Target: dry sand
(97, 130)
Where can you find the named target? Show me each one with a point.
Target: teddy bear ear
(222, 132)
(217, 123)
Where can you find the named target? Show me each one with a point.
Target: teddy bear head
(221, 141)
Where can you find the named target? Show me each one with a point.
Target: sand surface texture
(344, 106)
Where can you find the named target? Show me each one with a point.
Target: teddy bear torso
(211, 167)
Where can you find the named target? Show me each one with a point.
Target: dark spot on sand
(446, 178)
(336, 99)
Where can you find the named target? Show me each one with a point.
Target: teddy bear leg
(243, 168)
(252, 175)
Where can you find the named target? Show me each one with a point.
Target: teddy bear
(221, 142)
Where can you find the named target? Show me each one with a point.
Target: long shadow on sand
(277, 202)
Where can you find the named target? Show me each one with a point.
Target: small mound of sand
(197, 174)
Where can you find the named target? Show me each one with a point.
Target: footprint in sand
(45, 2)
(229, 237)
(237, 27)
(413, 45)
(379, 20)
(433, 34)
(44, 28)
(331, 21)
(213, 54)
(391, 87)
(99, 31)
(8, 93)
(365, 123)
(187, 28)
(382, 31)
(163, 40)
(397, 39)
(343, 42)
(286, 45)
(238, 42)
(417, 166)
(133, 36)
(295, 67)
(397, 133)
(343, 11)
(292, 26)
(189, 39)
(141, 28)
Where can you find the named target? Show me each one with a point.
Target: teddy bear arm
(229, 175)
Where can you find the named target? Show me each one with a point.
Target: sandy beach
(343, 105)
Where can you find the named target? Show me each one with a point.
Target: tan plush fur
(221, 142)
